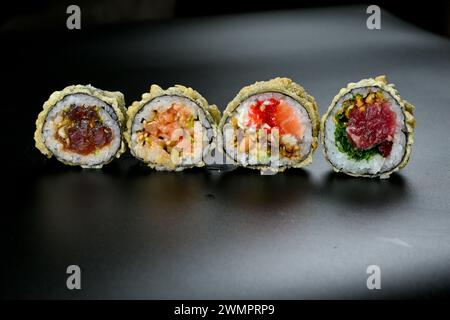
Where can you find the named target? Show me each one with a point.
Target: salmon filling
(273, 113)
(263, 116)
(80, 129)
(169, 130)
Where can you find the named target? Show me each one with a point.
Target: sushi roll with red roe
(270, 126)
(368, 129)
(82, 126)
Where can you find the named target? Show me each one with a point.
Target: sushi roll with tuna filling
(172, 129)
(270, 125)
(368, 129)
(82, 126)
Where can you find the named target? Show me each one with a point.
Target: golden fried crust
(212, 113)
(288, 87)
(114, 99)
(407, 109)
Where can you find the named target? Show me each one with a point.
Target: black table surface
(229, 234)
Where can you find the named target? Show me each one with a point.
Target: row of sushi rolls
(270, 126)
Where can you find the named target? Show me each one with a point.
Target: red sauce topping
(85, 132)
(275, 114)
(264, 111)
(372, 125)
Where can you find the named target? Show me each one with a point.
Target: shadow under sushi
(246, 187)
(365, 192)
(167, 189)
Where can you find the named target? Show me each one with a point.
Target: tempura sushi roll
(172, 129)
(82, 126)
(270, 125)
(368, 129)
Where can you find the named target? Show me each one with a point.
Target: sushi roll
(368, 129)
(270, 126)
(172, 129)
(82, 126)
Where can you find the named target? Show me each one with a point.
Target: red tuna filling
(85, 132)
(371, 125)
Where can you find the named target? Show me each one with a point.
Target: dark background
(31, 14)
(137, 233)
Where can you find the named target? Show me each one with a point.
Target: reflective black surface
(202, 233)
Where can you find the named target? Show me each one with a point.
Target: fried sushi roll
(82, 126)
(172, 129)
(368, 129)
(270, 125)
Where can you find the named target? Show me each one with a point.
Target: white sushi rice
(276, 160)
(203, 132)
(376, 164)
(107, 115)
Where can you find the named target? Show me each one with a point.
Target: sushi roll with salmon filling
(172, 129)
(270, 126)
(368, 129)
(82, 126)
